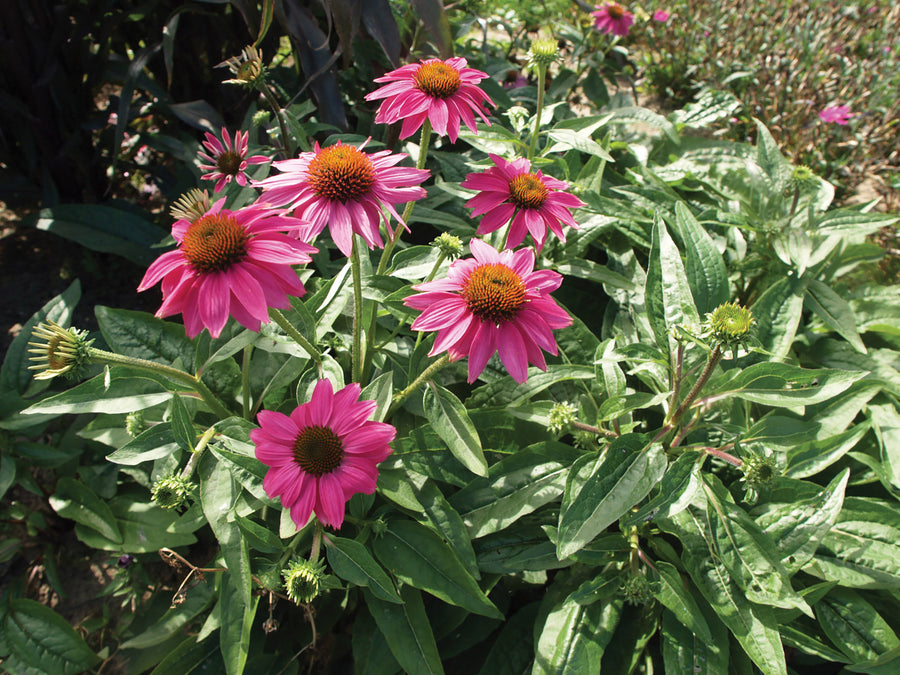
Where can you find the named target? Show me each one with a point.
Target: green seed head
(729, 324)
(802, 176)
(759, 470)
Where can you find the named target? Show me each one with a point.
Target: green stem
(316, 543)
(356, 355)
(286, 144)
(698, 385)
(542, 76)
(188, 470)
(192, 381)
(394, 237)
(295, 335)
(245, 382)
(426, 375)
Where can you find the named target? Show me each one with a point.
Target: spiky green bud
(449, 245)
(561, 417)
(302, 580)
(172, 492)
(134, 423)
(636, 589)
(543, 52)
(802, 176)
(729, 325)
(759, 470)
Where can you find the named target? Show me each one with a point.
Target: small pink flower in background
(227, 160)
(661, 15)
(492, 302)
(229, 263)
(323, 453)
(613, 18)
(532, 202)
(443, 92)
(706, 33)
(520, 81)
(344, 188)
(839, 114)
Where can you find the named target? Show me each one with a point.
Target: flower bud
(58, 351)
(636, 589)
(543, 52)
(759, 470)
(172, 492)
(302, 580)
(729, 325)
(191, 205)
(449, 245)
(247, 68)
(134, 423)
(561, 416)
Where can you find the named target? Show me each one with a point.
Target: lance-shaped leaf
(407, 630)
(352, 561)
(575, 635)
(676, 490)
(755, 627)
(449, 419)
(704, 265)
(784, 385)
(797, 527)
(419, 557)
(835, 312)
(667, 294)
(73, 499)
(685, 652)
(236, 619)
(747, 553)
(515, 486)
(672, 592)
(862, 550)
(777, 312)
(855, 626)
(808, 459)
(600, 490)
(118, 391)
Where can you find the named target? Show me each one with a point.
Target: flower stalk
(296, 336)
(424, 377)
(356, 365)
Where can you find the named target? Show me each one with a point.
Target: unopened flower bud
(636, 589)
(543, 52)
(134, 423)
(191, 205)
(58, 351)
(729, 324)
(302, 580)
(759, 470)
(172, 492)
(561, 416)
(449, 245)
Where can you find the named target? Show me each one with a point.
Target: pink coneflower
(613, 18)
(344, 188)
(443, 92)
(323, 453)
(839, 114)
(493, 302)
(661, 15)
(228, 160)
(532, 201)
(229, 263)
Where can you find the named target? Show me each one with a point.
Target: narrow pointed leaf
(451, 422)
(407, 631)
(352, 561)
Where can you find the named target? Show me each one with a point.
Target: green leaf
(704, 265)
(174, 619)
(755, 627)
(218, 494)
(236, 617)
(808, 459)
(514, 487)
(797, 527)
(862, 550)
(101, 228)
(835, 312)
(449, 419)
(746, 551)
(43, 642)
(777, 312)
(186, 657)
(182, 425)
(445, 520)
(379, 390)
(407, 631)
(569, 139)
(783, 385)
(854, 625)
(685, 652)
(155, 443)
(78, 502)
(574, 636)
(259, 537)
(676, 490)
(352, 562)
(371, 652)
(672, 593)
(120, 392)
(144, 336)
(667, 294)
(635, 114)
(886, 422)
(145, 527)
(591, 271)
(599, 490)
(419, 557)
(502, 392)
(512, 649)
